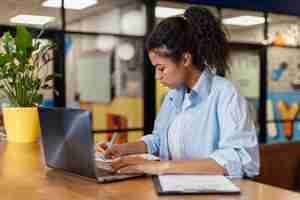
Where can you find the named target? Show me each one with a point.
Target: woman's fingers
(125, 161)
(103, 146)
(122, 162)
(100, 152)
(118, 163)
(130, 170)
(152, 169)
(148, 167)
(110, 153)
(117, 150)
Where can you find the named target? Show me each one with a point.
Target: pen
(112, 141)
(109, 145)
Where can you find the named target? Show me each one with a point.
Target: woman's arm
(128, 165)
(205, 166)
(136, 147)
(237, 149)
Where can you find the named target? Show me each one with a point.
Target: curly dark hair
(197, 32)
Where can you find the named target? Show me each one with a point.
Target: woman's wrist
(135, 148)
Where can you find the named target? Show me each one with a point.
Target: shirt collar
(199, 91)
(203, 85)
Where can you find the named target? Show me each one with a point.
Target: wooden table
(23, 176)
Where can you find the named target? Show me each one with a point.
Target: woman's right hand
(116, 150)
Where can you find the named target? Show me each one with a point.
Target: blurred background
(100, 53)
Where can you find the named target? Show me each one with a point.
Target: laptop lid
(67, 140)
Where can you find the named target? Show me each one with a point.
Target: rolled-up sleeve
(152, 143)
(237, 150)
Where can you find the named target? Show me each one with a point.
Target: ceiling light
(244, 20)
(70, 4)
(31, 19)
(125, 51)
(163, 12)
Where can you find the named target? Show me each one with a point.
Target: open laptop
(68, 143)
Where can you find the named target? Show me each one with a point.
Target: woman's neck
(192, 78)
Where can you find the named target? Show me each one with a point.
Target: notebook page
(193, 183)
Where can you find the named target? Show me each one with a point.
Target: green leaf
(7, 38)
(36, 45)
(8, 42)
(31, 67)
(2, 95)
(5, 58)
(23, 44)
(44, 49)
(21, 56)
(36, 84)
(19, 79)
(23, 38)
(37, 99)
(52, 77)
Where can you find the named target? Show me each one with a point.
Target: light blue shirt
(177, 129)
(216, 124)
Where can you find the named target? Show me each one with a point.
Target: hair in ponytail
(197, 32)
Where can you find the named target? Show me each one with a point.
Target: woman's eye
(160, 68)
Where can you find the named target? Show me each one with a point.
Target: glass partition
(244, 26)
(245, 74)
(284, 30)
(104, 75)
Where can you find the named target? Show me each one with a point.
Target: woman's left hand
(135, 164)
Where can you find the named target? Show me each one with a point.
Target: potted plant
(22, 59)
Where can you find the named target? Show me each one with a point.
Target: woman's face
(167, 72)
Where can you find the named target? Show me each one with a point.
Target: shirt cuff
(233, 168)
(147, 140)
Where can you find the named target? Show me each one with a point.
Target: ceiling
(12, 8)
(227, 13)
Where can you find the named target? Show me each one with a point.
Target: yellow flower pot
(22, 124)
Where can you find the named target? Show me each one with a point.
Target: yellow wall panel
(129, 107)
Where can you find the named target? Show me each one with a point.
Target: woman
(203, 126)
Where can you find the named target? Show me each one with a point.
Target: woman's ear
(187, 59)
